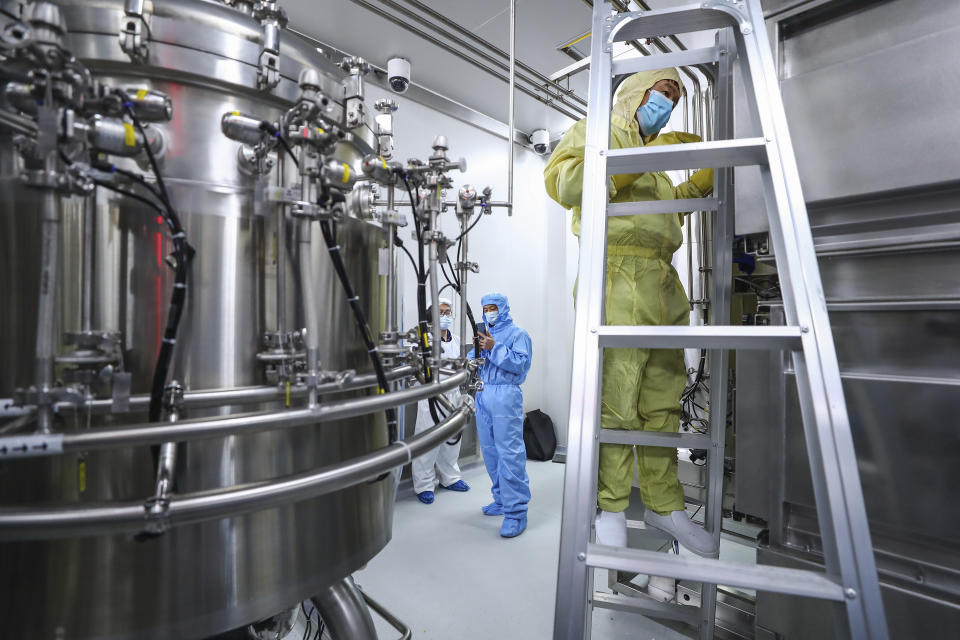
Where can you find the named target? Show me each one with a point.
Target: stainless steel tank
(196, 580)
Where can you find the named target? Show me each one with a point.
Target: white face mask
(446, 322)
(491, 316)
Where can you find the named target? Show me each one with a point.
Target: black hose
(422, 328)
(275, 131)
(338, 265)
(183, 255)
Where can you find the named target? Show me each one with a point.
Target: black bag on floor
(539, 436)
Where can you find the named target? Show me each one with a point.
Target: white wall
(530, 257)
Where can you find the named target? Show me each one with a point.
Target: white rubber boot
(612, 529)
(689, 534)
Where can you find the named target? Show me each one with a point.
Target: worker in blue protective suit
(507, 350)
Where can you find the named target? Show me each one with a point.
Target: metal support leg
(572, 617)
(722, 265)
(343, 610)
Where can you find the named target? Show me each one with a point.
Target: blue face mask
(491, 316)
(446, 322)
(655, 114)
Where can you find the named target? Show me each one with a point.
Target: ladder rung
(649, 207)
(706, 337)
(692, 155)
(797, 582)
(647, 607)
(685, 58)
(655, 439)
(667, 22)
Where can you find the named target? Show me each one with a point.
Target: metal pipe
(343, 610)
(281, 255)
(392, 320)
(221, 426)
(311, 313)
(435, 351)
(167, 460)
(511, 125)
(465, 245)
(60, 522)
(405, 631)
(89, 213)
(555, 102)
(547, 82)
(208, 398)
(17, 123)
(47, 305)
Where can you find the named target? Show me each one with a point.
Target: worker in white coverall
(443, 458)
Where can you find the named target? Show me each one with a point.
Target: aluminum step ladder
(850, 580)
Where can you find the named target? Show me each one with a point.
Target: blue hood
(503, 305)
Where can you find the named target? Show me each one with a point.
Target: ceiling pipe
(459, 29)
(556, 102)
(511, 124)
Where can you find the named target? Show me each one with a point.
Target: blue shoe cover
(512, 527)
(426, 497)
(492, 509)
(459, 485)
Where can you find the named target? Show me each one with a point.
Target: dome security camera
(540, 139)
(398, 74)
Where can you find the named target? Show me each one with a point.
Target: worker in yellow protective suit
(641, 387)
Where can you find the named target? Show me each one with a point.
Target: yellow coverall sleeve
(563, 175)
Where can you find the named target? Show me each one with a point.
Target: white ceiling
(542, 27)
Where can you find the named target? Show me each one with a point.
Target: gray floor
(448, 574)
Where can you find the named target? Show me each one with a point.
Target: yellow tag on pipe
(236, 113)
(142, 93)
(384, 162)
(82, 476)
(346, 173)
(129, 135)
(288, 394)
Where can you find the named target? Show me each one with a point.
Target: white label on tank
(383, 262)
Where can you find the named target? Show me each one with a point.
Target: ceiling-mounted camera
(398, 73)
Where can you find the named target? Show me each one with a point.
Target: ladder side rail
(840, 505)
(572, 618)
(720, 295)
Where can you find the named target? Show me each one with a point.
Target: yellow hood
(631, 95)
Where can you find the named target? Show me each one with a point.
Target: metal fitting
(134, 33)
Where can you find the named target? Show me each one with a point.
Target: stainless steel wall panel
(910, 614)
(866, 98)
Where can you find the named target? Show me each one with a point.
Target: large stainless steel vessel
(194, 580)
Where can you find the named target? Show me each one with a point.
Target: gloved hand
(703, 180)
(683, 136)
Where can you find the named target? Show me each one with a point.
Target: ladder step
(707, 337)
(796, 582)
(687, 58)
(693, 155)
(647, 607)
(637, 25)
(650, 207)
(655, 439)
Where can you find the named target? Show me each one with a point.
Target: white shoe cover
(612, 529)
(689, 534)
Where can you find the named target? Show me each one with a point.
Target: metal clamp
(134, 31)
(272, 18)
